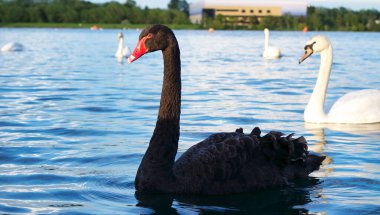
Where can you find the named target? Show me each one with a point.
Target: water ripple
(75, 124)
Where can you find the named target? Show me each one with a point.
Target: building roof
(294, 7)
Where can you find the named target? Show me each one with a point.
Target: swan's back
(271, 52)
(122, 53)
(357, 107)
(12, 47)
(218, 158)
(236, 162)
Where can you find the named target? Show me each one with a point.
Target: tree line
(80, 11)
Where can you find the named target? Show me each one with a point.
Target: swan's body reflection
(370, 129)
(273, 201)
(355, 132)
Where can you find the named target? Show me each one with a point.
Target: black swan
(223, 163)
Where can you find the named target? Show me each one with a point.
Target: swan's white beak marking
(131, 59)
(308, 52)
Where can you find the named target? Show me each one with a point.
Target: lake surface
(75, 123)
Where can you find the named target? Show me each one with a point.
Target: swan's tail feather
(313, 162)
(256, 132)
(288, 153)
(239, 130)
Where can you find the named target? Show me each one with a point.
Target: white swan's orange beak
(308, 52)
(140, 49)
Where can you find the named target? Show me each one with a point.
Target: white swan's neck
(266, 40)
(314, 111)
(120, 48)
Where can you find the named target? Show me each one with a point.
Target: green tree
(14, 13)
(180, 18)
(94, 15)
(37, 14)
(180, 5)
(130, 3)
(173, 4)
(114, 13)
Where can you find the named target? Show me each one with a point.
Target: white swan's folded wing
(357, 107)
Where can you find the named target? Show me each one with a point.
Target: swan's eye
(150, 35)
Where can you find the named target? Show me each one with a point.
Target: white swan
(121, 50)
(12, 47)
(355, 107)
(270, 52)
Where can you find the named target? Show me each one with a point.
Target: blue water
(75, 123)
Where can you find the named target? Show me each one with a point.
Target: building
(242, 10)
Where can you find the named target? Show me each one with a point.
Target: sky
(352, 4)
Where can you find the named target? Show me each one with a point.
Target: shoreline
(100, 26)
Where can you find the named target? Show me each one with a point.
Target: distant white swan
(355, 107)
(122, 51)
(270, 52)
(12, 47)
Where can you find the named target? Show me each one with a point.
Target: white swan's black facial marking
(308, 51)
(310, 46)
(120, 35)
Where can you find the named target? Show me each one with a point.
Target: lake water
(75, 123)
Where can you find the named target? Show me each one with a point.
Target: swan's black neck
(160, 156)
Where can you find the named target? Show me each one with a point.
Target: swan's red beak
(140, 49)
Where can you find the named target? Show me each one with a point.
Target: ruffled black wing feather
(233, 162)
